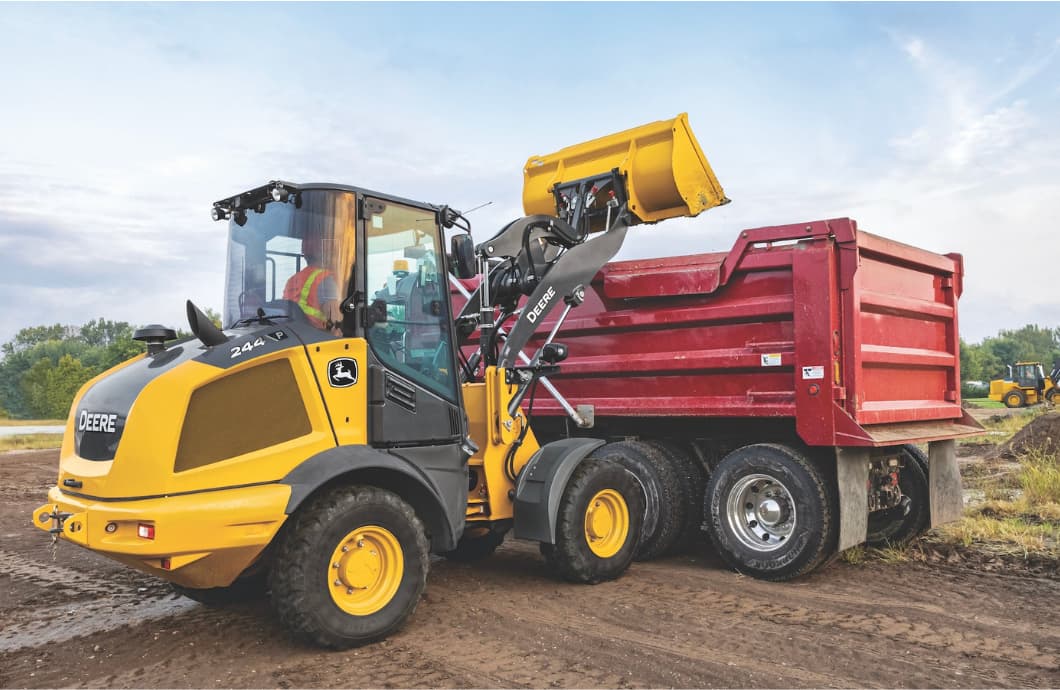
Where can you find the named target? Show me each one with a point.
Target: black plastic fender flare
(541, 484)
(387, 471)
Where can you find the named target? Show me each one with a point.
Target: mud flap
(852, 478)
(944, 481)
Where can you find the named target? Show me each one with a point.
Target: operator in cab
(314, 288)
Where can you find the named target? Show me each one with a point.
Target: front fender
(541, 485)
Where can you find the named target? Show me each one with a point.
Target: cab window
(405, 274)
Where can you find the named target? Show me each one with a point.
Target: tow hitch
(70, 525)
(58, 519)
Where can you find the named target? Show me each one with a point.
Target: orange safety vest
(303, 287)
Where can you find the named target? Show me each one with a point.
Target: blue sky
(931, 124)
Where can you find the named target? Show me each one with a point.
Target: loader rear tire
(1050, 395)
(1015, 398)
(665, 495)
(894, 526)
(598, 524)
(770, 512)
(247, 588)
(350, 567)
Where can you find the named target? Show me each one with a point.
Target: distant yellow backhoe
(1026, 384)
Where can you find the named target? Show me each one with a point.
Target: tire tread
(289, 580)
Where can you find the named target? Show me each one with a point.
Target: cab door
(413, 394)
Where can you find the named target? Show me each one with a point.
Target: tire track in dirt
(849, 613)
(673, 657)
(19, 567)
(858, 629)
(108, 606)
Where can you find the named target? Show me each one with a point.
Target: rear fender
(541, 485)
(424, 491)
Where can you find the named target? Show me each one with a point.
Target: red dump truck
(790, 378)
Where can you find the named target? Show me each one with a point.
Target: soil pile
(1042, 433)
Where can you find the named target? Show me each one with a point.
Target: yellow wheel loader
(1026, 384)
(331, 436)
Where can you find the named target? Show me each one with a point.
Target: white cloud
(914, 48)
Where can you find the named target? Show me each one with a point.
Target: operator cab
(321, 260)
(1029, 375)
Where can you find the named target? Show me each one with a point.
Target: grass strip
(30, 441)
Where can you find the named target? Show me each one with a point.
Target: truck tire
(598, 523)
(1015, 398)
(475, 547)
(1050, 395)
(770, 513)
(897, 526)
(247, 588)
(350, 567)
(665, 495)
(693, 479)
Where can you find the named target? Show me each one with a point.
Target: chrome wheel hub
(760, 512)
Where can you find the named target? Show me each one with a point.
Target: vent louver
(400, 392)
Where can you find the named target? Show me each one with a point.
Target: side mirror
(462, 256)
(553, 353)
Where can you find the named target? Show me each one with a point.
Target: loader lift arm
(580, 201)
(545, 259)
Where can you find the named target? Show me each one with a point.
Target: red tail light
(145, 531)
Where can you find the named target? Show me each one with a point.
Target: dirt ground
(80, 620)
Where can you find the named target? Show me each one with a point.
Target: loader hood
(100, 415)
(192, 417)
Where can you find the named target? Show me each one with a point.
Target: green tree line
(43, 367)
(989, 359)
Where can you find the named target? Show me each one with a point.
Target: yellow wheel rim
(365, 570)
(606, 523)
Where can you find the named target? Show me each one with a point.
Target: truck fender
(541, 484)
(385, 470)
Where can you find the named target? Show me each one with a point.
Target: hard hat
(401, 265)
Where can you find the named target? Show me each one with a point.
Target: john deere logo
(342, 372)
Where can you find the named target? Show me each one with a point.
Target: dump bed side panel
(683, 356)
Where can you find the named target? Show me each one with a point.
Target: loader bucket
(666, 173)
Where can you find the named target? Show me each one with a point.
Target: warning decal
(811, 373)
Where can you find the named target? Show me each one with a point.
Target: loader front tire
(350, 567)
(770, 512)
(1015, 398)
(598, 525)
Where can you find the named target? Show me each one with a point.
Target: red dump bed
(852, 335)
